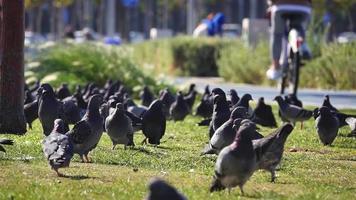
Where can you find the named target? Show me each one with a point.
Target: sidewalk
(312, 97)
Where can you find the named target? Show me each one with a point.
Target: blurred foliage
(88, 62)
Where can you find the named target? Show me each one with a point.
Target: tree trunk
(12, 119)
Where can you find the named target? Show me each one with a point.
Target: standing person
(218, 22)
(280, 11)
(205, 28)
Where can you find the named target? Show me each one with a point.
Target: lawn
(309, 171)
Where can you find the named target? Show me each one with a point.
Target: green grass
(313, 172)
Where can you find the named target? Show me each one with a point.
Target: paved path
(313, 97)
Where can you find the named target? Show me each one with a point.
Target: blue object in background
(112, 41)
(210, 26)
(130, 3)
(218, 21)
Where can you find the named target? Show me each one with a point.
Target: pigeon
(167, 99)
(63, 91)
(71, 111)
(291, 112)
(263, 114)
(190, 99)
(327, 103)
(273, 156)
(119, 127)
(31, 112)
(237, 162)
(146, 96)
(293, 100)
(220, 115)
(234, 97)
(327, 125)
(205, 108)
(154, 123)
(225, 135)
(190, 90)
(93, 125)
(5, 142)
(49, 109)
(244, 101)
(179, 109)
(160, 190)
(351, 121)
(58, 146)
(28, 97)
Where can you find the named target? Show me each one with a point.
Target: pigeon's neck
(241, 142)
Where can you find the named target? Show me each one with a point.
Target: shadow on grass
(77, 177)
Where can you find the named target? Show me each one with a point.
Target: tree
(12, 119)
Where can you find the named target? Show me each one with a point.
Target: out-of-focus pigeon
(190, 99)
(244, 101)
(263, 114)
(205, 108)
(71, 111)
(327, 126)
(154, 123)
(49, 109)
(146, 96)
(237, 162)
(179, 109)
(167, 99)
(351, 121)
(58, 146)
(93, 125)
(31, 112)
(291, 112)
(225, 134)
(119, 127)
(5, 142)
(234, 97)
(160, 190)
(292, 99)
(28, 97)
(273, 156)
(63, 91)
(220, 115)
(327, 103)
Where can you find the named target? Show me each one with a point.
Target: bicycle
(292, 66)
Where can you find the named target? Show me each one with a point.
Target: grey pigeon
(119, 127)
(49, 109)
(221, 113)
(351, 121)
(160, 190)
(263, 114)
(58, 146)
(327, 125)
(146, 96)
(237, 162)
(293, 113)
(225, 134)
(154, 123)
(71, 111)
(31, 112)
(273, 156)
(5, 142)
(93, 125)
(179, 109)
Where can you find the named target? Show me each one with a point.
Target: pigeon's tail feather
(6, 141)
(216, 185)
(305, 114)
(284, 132)
(208, 149)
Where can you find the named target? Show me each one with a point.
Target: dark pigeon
(49, 109)
(190, 99)
(327, 104)
(63, 91)
(244, 101)
(146, 96)
(179, 109)
(119, 127)
(291, 112)
(167, 99)
(221, 113)
(5, 142)
(154, 123)
(71, 111)
(28, 97)
(327, 125)
(31, 112)
(234, 97)
(237, 162)
(273, 156)
(263, 114)
(160, 190)
(205, 108)
(92, 124)
(293, 100)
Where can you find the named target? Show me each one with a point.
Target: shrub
(89, 62)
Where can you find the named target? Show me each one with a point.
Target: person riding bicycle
(280, 10)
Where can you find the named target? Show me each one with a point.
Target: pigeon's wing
(6, 141)
(261, 146)
(80, 132)
(295, 112)
(351, 121)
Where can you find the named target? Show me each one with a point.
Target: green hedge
(82, 63)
